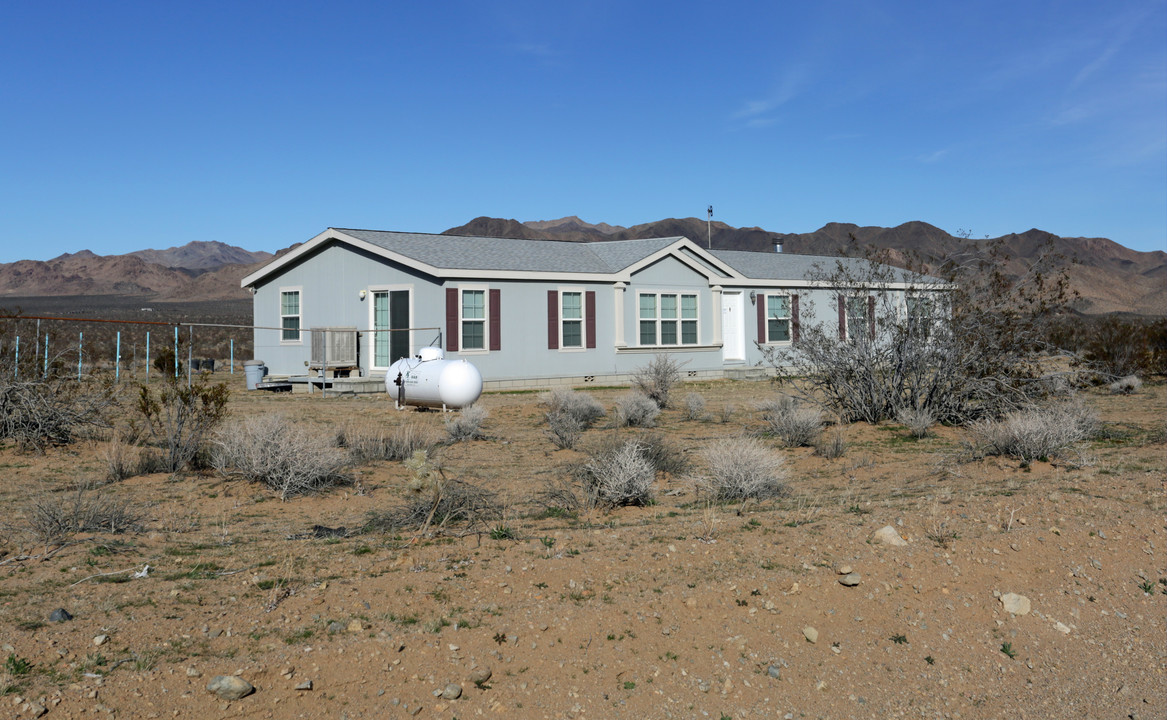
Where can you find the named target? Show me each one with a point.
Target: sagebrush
(635, 409)
(467, 424)
(1037, 433)
(741, 468)
(288, 458)
(795, 424)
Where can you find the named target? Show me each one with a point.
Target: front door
(390, 313)
(733, 328)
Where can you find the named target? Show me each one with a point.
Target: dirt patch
(676, 609)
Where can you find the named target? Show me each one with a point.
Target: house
(531, 313)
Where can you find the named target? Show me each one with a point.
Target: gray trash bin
(254, 370)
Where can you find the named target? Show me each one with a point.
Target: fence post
(147, 356)
(176, 353)
(117, 359)
(45, 374)
(16, 365)
(189, 351)
(232, 356)
(80, 352)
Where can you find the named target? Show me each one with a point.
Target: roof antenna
(708, 231)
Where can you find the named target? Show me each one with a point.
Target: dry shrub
(369, 442)
(794, 424)
(289, 459)
(664, 456)
(564, 429)
(741, 469)
(1125, 386)
(437, 501)
(180, 419)
(916, 420)
(657, 378)
(467, 424)
(635, 409)
(121, 460)
(54, 519)
(39, 414)
(581, 406)
(831, 445)
(1036, 433)
(695, 407)
(616, 475)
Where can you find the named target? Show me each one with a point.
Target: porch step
(746, 373)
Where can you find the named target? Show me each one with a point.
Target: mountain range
(1108, 277)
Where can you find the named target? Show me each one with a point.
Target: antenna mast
(708, 231)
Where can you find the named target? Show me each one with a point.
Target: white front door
(733, 327)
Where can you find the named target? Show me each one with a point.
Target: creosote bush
(1038, 432)
(467, 424)
(618, 474)
(289, 459)
(657, 378)
(635, 409)
(181, 419)
(795, 424)
(740, 469)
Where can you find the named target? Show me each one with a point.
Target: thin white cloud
(759, 112)
(933, 157)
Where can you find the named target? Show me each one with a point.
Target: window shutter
(795, 326)
(761, 300)
(496, 319)
(590, 318)
(842, 318)
(452, 319)
(871, 317)
(552, 319)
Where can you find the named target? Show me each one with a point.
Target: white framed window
(571, 319)
(667, 318)
(472, 318)
(390, 316)
(290, 314)
(778, 318)
(858, 317)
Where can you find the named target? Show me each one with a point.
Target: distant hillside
(1107, 276)
(202, 255)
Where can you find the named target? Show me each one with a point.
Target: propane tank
(429, 380)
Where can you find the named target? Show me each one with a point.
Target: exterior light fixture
(363, 293)
(753, 297)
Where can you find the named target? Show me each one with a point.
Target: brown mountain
(201, 256)
(1107, 276)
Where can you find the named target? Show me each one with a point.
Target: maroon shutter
(871, 317)
(452, 319)
(496, 319)
(842, 318)
(590, 318)
(795, 326)
(761, 300)
(552, 319)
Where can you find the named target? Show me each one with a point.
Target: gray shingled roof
(485, 253)
(789, 266)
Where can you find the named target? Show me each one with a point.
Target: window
(920, 311)
(777, 318)
(668, 319)
(857, 317)
(290, 316)
(473, 320)
(571, 312)
(391, 319)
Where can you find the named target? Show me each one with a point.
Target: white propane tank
(429, 380)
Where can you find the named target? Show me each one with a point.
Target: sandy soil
(668, 611)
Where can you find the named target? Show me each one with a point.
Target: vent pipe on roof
(777, 246)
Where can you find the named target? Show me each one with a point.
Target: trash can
(254, 371)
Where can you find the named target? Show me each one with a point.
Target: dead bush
(916, 420)
(635, 409)
(436, 502)
(664, 456)
(831, 445)
(1036, 433)
(564, 428)
(617, 475)
(289, 459)
(581, 406)
(41, 413)
(370, 442)
(657, 378)
(467, 424)
(122, 460)
(695, 407)
(796, 425)
(181, 419)
(739, 469)
(55, 519)
(1125, 386)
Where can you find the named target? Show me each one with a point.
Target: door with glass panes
(391, 339)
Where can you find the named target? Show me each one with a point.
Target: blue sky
(135, 125)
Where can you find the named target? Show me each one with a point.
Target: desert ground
(677, 609)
